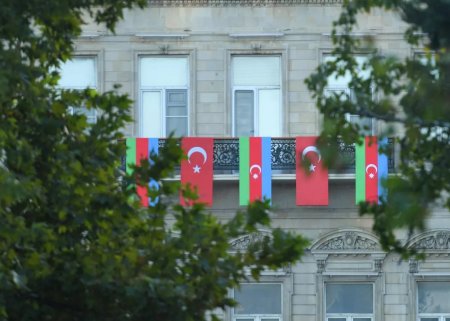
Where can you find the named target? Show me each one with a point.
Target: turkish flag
(371, 169)
(197, 170)
(255, 172)
(312, 186)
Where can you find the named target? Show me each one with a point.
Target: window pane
(164, 71)
(269, 113)
(434, 297)
(343, 81)
(244, 319)
(362, 319)
(256, 71)
(258, 299)
(429, 319)
(272, 319)
(336, 319)
(177, 125)
(365, 124)
(349, 298)
(151, 125)
(91, 114)
(244, 113)
(78, 73)
(176, 102)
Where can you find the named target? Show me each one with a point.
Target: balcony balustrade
(226, 156)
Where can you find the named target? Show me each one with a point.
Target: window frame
(256, 89)
(95, 56)
(163, 92)
(420, 316)
(349, 316)
(259, 317)
(349, 91)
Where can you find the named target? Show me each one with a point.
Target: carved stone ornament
(242, 243)
(413, 266)
(349, 240)
(346, 250)
(435, 241)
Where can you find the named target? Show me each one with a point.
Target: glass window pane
(78, 73)
(434, 297)
(337, 319)
(335, 81)
(151, 124)
(269, 113)
(429, 319)
(246, 319)
(349, 298)
(244, 113)
(177, 125)
(258, 299)
(362, 319)
(176, 102)
(91, 114)
(271, 319)
(364, 123)
(256, 71)
(164, 71)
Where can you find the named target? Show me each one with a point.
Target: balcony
(226, 158)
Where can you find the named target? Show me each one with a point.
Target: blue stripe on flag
(266, 168)
(382, 169)
(153, 148)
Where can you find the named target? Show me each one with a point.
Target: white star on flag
(196, 169)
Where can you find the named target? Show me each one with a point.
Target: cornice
(238, 3)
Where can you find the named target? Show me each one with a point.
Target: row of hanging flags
(255, 161)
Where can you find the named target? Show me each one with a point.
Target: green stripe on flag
(131, 154)
(360, 172)
(244, 154)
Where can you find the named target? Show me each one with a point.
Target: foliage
(412, 98)
(74, 242)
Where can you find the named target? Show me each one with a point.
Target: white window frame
(94, 57)
(255, 90)
(163, 92)
(420, 316)
(349, 316)
(348, 91)
(259, 317)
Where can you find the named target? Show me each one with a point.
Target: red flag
(255, 170)
(371, 167)
(142, 154)
(312, 187)
(197, 170)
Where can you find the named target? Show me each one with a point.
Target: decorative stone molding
(348, 251)
(236, 3)
(413, 266)
(244, 242)
(431, 241)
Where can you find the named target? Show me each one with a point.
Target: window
(256, 95)
(433, 301)
(349, 302)
(80, 73)
(258, 302)
(163, 90)
(341, 84)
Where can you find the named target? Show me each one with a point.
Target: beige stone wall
(305, 38)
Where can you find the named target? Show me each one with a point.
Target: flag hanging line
(255, 169)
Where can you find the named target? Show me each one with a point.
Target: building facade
(229, 68)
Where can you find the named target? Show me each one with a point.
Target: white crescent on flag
(197, 149)
(255, 175)
(371, 175)
(311, 149)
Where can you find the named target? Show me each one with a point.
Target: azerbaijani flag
(371, 168)
(255, 169)
(139, 149)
